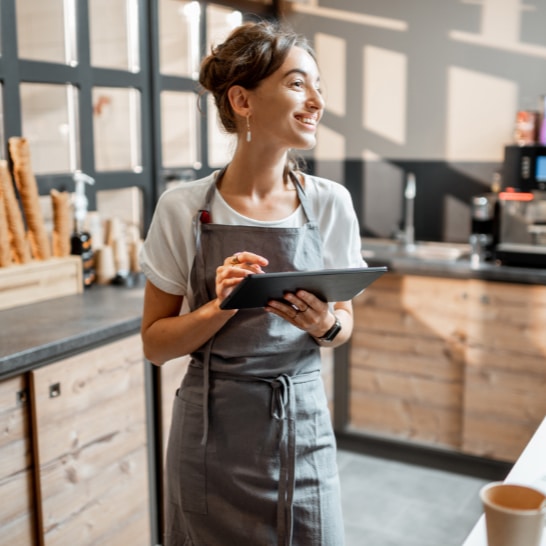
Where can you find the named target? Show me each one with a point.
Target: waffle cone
(16, 227)
(28, 193)
(60, 202)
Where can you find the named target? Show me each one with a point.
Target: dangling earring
(248, 133)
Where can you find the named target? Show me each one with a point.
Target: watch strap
(331, 334)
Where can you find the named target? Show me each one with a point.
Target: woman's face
(287, 106)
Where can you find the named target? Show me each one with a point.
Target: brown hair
(251, 53)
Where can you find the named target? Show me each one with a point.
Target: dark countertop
(444, 260)
(38, 334)
(41, 333)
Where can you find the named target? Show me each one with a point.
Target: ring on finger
(235, 259)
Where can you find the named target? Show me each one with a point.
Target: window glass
(46, 30)
(220, 144)
(50, 123)
(179, 38)
(117, 129)
(179, 129)
(114, 37)
(220, 22)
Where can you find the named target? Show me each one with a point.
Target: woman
(251, 457)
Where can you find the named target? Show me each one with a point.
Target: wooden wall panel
(17, 522)
(91, 444)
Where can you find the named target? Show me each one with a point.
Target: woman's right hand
(234, 269)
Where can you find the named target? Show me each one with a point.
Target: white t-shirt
(169, 249)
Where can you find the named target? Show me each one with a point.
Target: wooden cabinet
(89, 425)
(505, 372)
(17, 515)
(406, 359)
(454, 363)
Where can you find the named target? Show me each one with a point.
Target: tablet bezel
(327, 284)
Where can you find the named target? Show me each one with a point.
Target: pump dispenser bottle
(80, 242)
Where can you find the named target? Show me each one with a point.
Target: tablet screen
(327, 284)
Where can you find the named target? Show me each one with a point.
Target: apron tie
(282, 408)
(206, 389)
(280, 396)
(283, 401)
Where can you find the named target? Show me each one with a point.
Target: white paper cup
(514, 514)
(105, 264)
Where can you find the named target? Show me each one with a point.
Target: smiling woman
(251, 456)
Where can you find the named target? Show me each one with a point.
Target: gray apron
(251, 459)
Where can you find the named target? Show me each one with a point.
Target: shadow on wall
(429, 87)
(442, 202)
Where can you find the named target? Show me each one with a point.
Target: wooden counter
(443, 361)
(456, 363)
(75, 450)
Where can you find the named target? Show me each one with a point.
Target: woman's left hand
(305, 311)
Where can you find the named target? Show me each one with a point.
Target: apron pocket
(186, 456)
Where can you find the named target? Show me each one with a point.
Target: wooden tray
(36, 281)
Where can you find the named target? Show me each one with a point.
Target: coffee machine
(522, 207)
(484, 229)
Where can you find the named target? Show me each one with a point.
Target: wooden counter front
(455, 363)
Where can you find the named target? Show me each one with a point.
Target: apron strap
(302, 196)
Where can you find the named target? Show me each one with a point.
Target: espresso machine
(522, 207)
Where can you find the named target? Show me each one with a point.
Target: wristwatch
(331, 334)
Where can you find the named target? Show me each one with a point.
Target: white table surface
(529, 469)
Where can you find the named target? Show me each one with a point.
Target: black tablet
(327, 284)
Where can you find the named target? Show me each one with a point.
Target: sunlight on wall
(330, 154)
(332, 61)
(477, 126)
(384, 85)
(352, 17)
(330, 145)
(501, 23)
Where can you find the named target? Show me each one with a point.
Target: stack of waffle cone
(60, 202)
(28, 193)
(18, 242)
(5, 247)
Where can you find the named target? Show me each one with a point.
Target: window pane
(220, 22)
(117, 129)
(114, 34)
(46, 30)
(179, 38)
(220, 144)
(50, 123)
(179, 130)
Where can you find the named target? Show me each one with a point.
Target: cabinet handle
(54, 390)
(21, 397)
